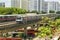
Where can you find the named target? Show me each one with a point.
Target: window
(18, 17)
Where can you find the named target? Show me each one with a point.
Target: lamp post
(25, 30)
(48, 8)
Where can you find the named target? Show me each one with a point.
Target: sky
(8, 2)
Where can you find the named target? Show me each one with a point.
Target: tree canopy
(58, 12)
(5, 11)
(34, 11)
(43, 12)
(51, 11)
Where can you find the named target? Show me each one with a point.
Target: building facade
(40, 6)
(36, 5)
(32, 5)
(16, 3)
(58, 7)
(45, 7)
(2, 4)
(54, 6)
(24, 4)
(20, 4)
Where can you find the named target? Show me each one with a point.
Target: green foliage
(43, 12)
(35, 12)
(44, 31)
(57, 22)
(45, 18)
(5, 11)
(51, 11)
(58, 12)
(50, 29)
(20, 34)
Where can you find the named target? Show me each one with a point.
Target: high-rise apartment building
(36, 5)
(45, 7)
(54, 6)
(2, 4)
(40, 5)
(15, 3)
(20, 4)
(24, 4)
(32, 5)
(58, 7)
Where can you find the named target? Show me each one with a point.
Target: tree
(43, 12)
(51, 11)
(58, 12)
(34, 11)
(22, 11)
(5, 11)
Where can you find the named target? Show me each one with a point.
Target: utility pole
(48, 8)
(25, 30)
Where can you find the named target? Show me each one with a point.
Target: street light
(48, 8)
(25, 30)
